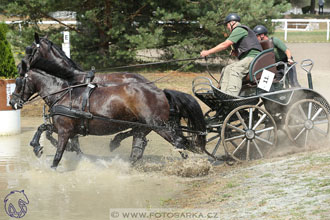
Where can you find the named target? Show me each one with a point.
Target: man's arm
(288, 54)
(220, 47)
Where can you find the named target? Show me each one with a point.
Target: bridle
(32, 54)
(20, 95)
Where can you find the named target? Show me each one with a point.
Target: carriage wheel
(248, 133)
(307, 122)
(214, 123)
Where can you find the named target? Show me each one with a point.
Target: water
(82, 187)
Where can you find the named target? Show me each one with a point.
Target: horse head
(23, 91)
(43, 54)
(36, 81)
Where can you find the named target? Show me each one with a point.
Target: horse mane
(63, 55)
(54, 69)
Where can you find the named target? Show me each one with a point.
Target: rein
(38, 97)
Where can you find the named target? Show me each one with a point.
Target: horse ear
(36, 38)
(23, 67)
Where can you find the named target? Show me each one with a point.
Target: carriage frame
(247, 126)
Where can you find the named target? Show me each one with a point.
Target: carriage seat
(264, 60)
(266, 44)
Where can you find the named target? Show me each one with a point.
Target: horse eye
(28, 50)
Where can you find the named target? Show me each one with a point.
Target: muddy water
(82, 187)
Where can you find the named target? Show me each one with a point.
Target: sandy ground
(294, 184)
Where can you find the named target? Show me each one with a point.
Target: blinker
(28, 50)
(19, 82)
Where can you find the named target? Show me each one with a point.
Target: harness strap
(76, 113)
(85, 107)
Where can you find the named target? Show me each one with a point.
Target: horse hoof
(183, 155)
(113, 145)
(38, 152)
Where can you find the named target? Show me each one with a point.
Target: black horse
(114, 108)
(43, 54)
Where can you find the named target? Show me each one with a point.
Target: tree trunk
(312, 9)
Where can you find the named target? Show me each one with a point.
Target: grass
(316, 36)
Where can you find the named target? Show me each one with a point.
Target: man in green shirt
(282, 53)
(246, 48)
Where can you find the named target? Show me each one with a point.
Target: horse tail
(187, 114)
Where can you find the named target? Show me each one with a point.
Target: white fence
(301, 25)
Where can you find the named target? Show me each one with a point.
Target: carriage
(245, 125)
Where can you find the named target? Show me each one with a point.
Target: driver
(282, 53)
(245, 47)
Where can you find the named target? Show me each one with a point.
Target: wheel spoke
(248, 150)
(317, 113)
(302, 112)
(306, 137)
(241, 120)
(319, 130)
(250, 117)
(236, 128)
(310, 105)
(298, 135)
(234, 138)
(216, 147)
(257, 147)
(296, 126)
(213, 138)
(239, 146)
(259, 121)
(264, 130)
(321, 122)
(263, 140)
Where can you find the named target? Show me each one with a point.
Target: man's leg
(233, 74)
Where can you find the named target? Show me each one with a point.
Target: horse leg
(63, 139)
(37, 149)
(139, 144)
(72, 146)
(115, 143)
(176, 140)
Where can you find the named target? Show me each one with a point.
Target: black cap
(232, 17)
(260, 29)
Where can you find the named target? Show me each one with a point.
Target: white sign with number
(266, 80)
(10, 88)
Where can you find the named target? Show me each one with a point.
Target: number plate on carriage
(266, 80)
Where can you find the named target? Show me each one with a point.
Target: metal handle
(307, 63)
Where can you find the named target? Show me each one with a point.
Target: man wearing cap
(282, 53)
(246, 48)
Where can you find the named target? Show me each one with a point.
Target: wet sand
(87, 187)
(83, 187)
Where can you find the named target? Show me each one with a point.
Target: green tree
(7, 62)
(111, 32)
